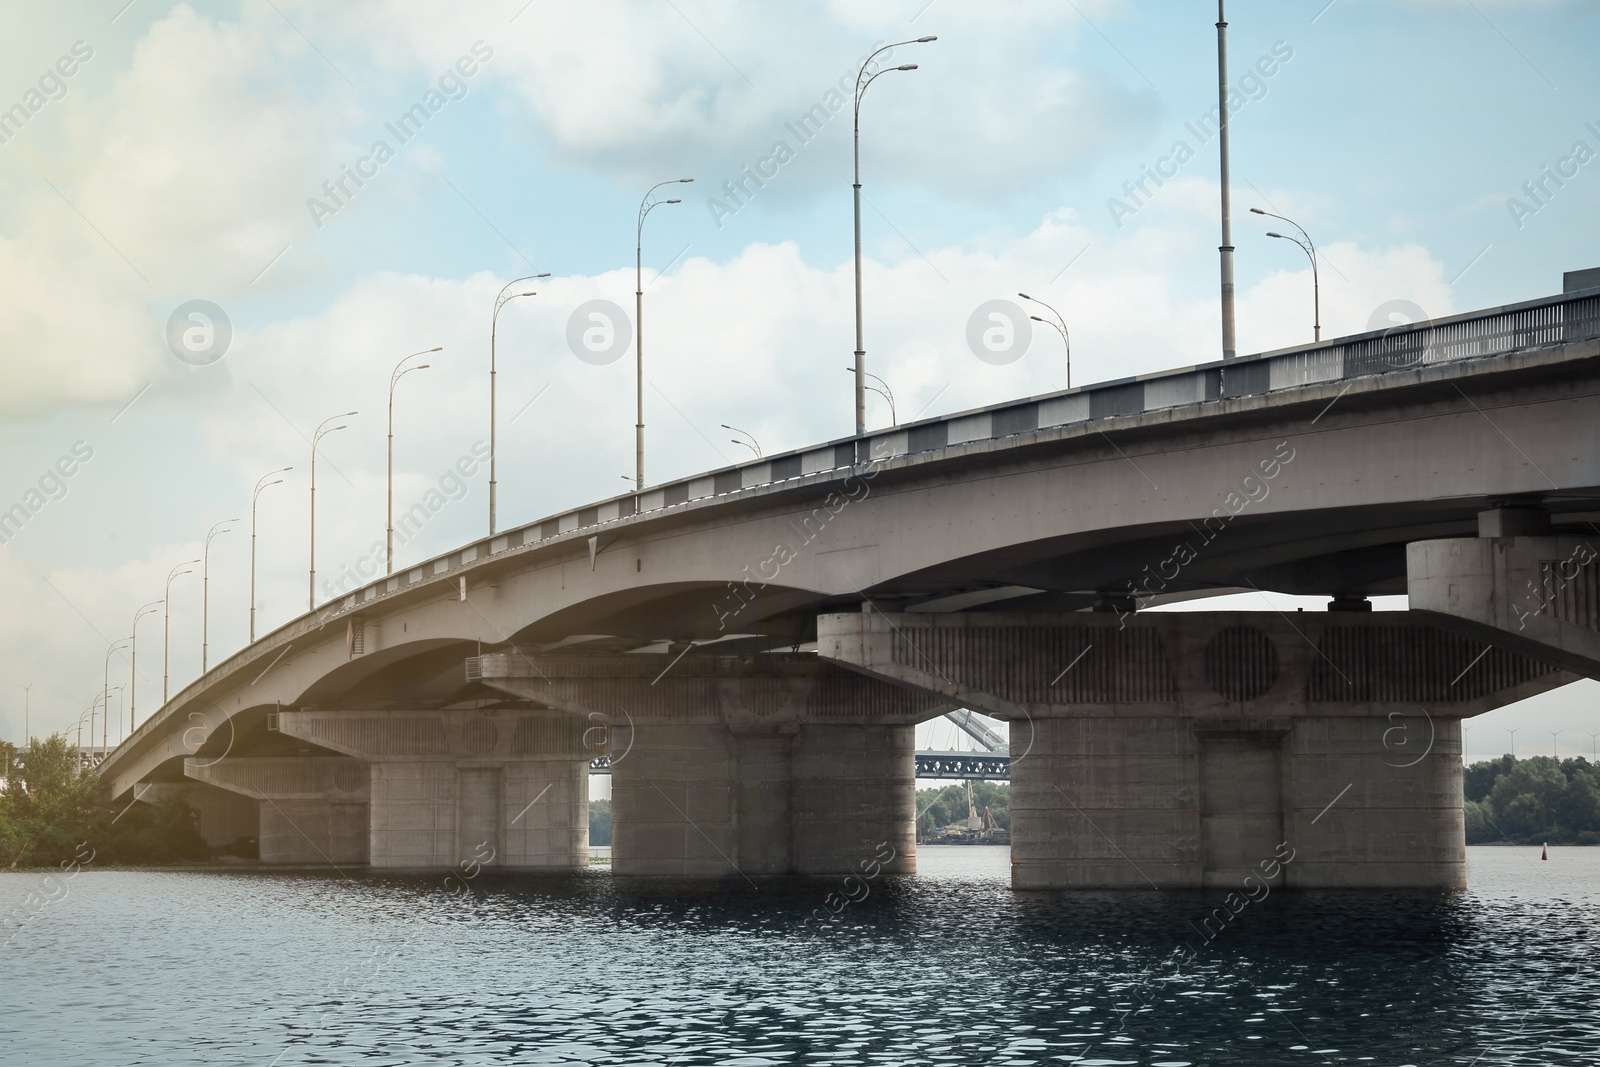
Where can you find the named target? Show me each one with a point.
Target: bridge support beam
(1184, 749)
(740, 766)
(502, 788)
(1539, 595)
(312, 810)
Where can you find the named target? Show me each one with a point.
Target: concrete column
(1197, 749)
(224, 817)
(1105, 803)
(452, 786)
(854, 789)
(312, 810)
(741, 766)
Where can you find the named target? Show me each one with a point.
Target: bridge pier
(224, 816)
(740, 766)
(1515, 586)
(1180, 750)
(312, 810)
(501, 788)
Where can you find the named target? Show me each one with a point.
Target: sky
(343, 185)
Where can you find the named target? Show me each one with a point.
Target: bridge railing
(1552, 320)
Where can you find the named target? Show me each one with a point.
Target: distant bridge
(977, 766)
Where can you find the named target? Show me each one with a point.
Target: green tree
(599, 822)
(50, 807)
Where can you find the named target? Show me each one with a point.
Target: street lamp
(323, 429)
(883, 390)
(1311, 253)
(1553, 735)
(647, 205)
(752, 444)
(1060, 326)
(105, 722)
(393, 378)
(861, 90)
(500, 301)
(105, 685)
(166, 625)
(205, 593)
(1513, 734)
(262, 484)
(133, 670)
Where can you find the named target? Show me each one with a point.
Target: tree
(599, 822)
(50, 807)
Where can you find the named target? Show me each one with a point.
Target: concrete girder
(1537, 595)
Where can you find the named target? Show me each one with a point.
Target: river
(948, 967)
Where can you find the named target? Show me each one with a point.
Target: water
(952, 967)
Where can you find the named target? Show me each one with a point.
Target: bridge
(753, 647)
(944, 765)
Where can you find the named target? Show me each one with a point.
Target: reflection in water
(949, 967)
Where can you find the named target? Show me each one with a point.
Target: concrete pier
(1188, 749)
(312, 810)
(740, 766)
(502, 788)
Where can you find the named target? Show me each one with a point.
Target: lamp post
(105, 685)
(752, 444)
(883, 390)
(205, 593)
(1225, 250)
(1060, 325)
(1311, 253)
(861, 90)
(647, 205)
(1553, 735)
(1513, 734)
(500, 301)
(166, 625)
(262, 484)
(105, 722)
(323, 429)
(393, 378)
(133, 670)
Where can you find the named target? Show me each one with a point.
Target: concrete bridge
(753, 647)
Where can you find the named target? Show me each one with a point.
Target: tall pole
(1310, 250)
(393, 378)
(260, 485)
(861, 348)
(1229, 345)
(166, 625)
(494, 320)
(322, 430)
(133, 670)
(105, 686)
(647, 205)
(205, 593)
(27, 741)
